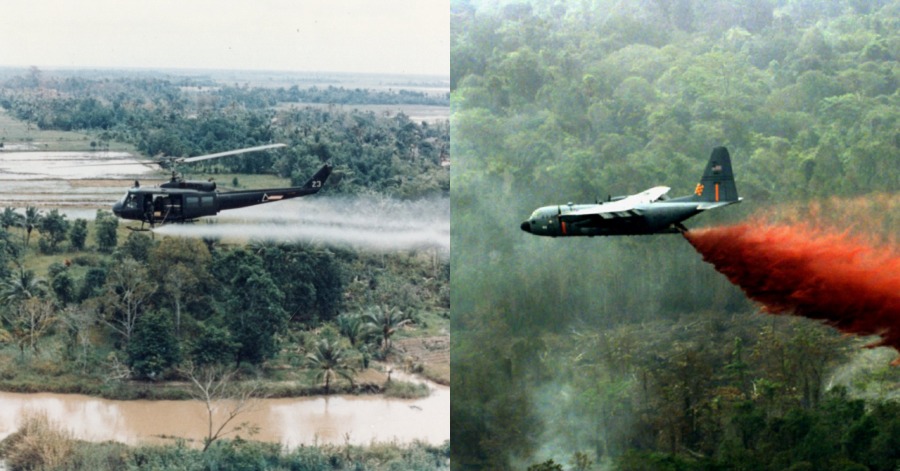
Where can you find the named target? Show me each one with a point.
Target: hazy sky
(382, 36)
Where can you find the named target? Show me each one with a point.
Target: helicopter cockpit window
(131, 201)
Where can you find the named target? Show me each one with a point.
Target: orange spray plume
(820, 274)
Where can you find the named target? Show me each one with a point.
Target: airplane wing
(649, 196)
(624, 208)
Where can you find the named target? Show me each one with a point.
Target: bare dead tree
(78, 320)
(218, 387)
(130, 288)
(30, 320)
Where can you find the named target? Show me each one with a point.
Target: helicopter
(180, 200)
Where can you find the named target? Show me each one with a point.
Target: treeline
(372, 152)
(266, 97)
(632, 351)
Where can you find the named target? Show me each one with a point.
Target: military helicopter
(180, 200)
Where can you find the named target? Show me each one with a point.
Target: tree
(212, 345)
(354, 328)
(153, 348)
(53, 227)
(63, 287)
(78, 321)
(251, 303)
(94, 280)
(22, 285)
(78, 234)
(31, 220)
(9, 251)
(328, 361)
(182, 267)
(10, 218)
(385, 320)
(138, 246)
(216, 387)
(129, 289)
(106, 225)
(29, 320)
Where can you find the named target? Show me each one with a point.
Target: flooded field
(290, 422)
(416, 113)
(77, 183)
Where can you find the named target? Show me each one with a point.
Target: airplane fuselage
(649, 218)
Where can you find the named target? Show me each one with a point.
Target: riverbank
(41, 374)
(41, 443)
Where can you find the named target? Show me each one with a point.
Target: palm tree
(32, 219)
(10, 218)
(21, 285)
(387, 321)
(329, 362)
(354, 328)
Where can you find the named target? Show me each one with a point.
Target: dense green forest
(631, 353)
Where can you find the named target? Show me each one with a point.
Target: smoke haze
(374, 223)
(820, 274)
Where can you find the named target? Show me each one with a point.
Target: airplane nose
(526, 226)
(117, 208)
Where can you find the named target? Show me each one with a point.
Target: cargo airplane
(648, 212)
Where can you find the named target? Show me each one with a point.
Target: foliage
(153, 348)
(328, 361)
(213, 346)
(572, 101)
(239, 454)
(63, 287)
(78, 234)
(251, 304)
(22, 285)
(53, 228)
(137, 246)
(106, 225)
(39, 444)
(129, 290)
(30, 221)
(406, 390)
(385, 320)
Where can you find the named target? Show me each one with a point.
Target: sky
(384, 36)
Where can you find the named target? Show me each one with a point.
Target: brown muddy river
(290, 422)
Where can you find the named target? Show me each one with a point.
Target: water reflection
(291, 422)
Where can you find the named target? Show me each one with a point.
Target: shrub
(39, 444)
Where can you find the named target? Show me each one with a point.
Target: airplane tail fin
(717, 183)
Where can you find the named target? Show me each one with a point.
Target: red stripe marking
(717, 192)
(563, 225)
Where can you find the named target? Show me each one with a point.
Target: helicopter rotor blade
(227, 153)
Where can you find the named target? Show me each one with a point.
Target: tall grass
(38, 444)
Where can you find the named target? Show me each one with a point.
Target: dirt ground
(428, 355)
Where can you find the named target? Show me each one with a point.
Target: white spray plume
(375, 223)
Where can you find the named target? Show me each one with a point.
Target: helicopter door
(175, 207)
